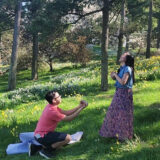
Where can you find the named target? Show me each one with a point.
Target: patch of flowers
(72, 77)
(66, 84)
(35, 92)
(148, 69)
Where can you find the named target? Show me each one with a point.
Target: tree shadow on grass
(142, 154)
(91, 146)
(93, 89)
(100, 145)
(3, 83)
(150, 153)
(88, 122)
(148, 114)
(96, 145)
(147, 90)
(146, 121)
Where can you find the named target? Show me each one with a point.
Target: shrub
(142, 51)
(155, 52)
(66, 84)
(76, 52)
(24, 61)
(4, 69)
(148, 69)
(35, 92)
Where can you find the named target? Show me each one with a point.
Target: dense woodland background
(72, 46)
(36, 32)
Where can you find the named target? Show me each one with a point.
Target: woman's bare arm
(122, 80)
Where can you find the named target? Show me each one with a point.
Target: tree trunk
(0, 39)
(13, 65)
(0, 47)
(158, 38)
(148, 54)
(51, 66)
(121, 32)
(104, 46)
(127, 43)
(35, 57)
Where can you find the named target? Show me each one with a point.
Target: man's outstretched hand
(83, 104)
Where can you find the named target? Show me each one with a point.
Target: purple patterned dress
(119, 118)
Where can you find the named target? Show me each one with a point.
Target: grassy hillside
(20, 110)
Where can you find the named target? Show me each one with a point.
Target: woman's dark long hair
(130, 62)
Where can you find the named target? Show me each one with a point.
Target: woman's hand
(113, 75)
(122, 80)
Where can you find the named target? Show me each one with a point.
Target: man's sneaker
(33, 149)
(46, 154)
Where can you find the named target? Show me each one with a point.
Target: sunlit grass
(24, 116)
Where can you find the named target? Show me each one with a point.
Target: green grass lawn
(23, 117)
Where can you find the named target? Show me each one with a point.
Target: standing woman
(118, 122)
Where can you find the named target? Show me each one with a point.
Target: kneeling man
(45, 132)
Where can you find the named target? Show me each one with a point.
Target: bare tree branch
(84, 15)
(112, 2)
(117, 12)
(87, 14)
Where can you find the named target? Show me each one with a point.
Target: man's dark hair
(50, 96)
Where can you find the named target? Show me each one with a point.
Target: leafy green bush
(4, 68)
(76, 51)
(24, 61)
(148, 69)
(66, 84)
(142, 51)
(155, 52)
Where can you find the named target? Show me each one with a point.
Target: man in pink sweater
(45, 132)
